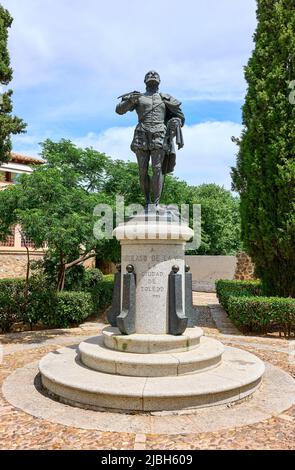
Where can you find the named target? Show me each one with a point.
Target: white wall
(208, 269)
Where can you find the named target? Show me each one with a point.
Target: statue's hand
(134, 99)
(174, 123)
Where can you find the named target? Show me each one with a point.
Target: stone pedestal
(153, 247)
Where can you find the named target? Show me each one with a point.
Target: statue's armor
(151, 129)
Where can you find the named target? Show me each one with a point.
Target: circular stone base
(22, 389)
(95, 355)
(151, 344)
(237, 377)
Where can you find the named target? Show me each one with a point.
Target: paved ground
(19, 430)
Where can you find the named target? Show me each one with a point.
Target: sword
(129, 94)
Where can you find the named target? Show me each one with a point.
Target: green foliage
(250, 311)
(55, 204)
(41, 304)
(226, 289)
(74, 280)
(92, 277)
(11, 302)
(78, 277)
(9, 124)
(72, 308)
(102, 293)
(263, 314)
(265, 171)
(220, 219)
(122, 179)
(28, 304)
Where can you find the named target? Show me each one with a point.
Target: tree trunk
(27, 271)
(64, 266)
(61, 274)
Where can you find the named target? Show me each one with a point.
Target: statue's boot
(145, 183)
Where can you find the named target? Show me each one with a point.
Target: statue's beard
(152, 87)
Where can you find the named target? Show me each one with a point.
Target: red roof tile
(18, 158)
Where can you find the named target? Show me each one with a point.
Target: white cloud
(114, 142)
(206, 158)
(198, 47)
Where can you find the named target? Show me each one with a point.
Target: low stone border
(277, 394)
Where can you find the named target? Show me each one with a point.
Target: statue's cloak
(173, 110)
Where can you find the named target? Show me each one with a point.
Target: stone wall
(245, 267)
(13, 265)
(208, 269)
(211, 268)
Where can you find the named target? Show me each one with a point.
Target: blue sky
(72, 58)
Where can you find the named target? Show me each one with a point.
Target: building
(13, 252)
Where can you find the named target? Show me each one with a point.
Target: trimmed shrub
(72, 308)
(91, 278)
(252, 312)
(9, 312)
(11, 302)
(102, 293)
(79, 279)
(262, 314)
(21, 304)
(225, 289)
(40, 303)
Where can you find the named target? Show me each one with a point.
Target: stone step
(68, 380)
(148, 344)
(95, 355)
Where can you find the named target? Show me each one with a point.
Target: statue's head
(152, 77)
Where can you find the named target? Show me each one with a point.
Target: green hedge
(11, 302)
(71, 309)
(263, 314)
(92, 277)
(102, 293)
(252, 312)
(225, 289)
(40, 303)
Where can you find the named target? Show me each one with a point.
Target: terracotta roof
(18, 158)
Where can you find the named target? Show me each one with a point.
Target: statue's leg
(143, 157)
(158, 178)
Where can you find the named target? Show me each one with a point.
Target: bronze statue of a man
(160, 119)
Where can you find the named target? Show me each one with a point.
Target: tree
(220, 220)
(122, 179)
(54, 205)
(265, 171)
(9, 124)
